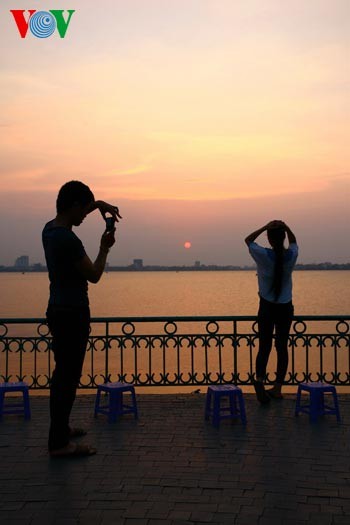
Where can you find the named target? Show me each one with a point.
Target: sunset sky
(201, 119)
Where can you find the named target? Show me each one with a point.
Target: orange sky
(179, 100)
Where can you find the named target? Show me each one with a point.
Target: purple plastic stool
(317, 406)
(15, 408)
(115, 406)
(236, 408)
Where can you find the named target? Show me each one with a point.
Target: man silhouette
(68, 313)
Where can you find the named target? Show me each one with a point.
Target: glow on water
(178, 293)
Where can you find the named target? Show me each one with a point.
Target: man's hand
(105, 208)
(107, 240)
(92, 271)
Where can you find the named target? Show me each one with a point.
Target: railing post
(107, 375)
(235, 343)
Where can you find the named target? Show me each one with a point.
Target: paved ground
(172, 467)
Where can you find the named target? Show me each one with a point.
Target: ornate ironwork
(178, 351)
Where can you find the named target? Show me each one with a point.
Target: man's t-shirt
(63, 250)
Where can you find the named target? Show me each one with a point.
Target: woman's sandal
(273, 394)
(73, 450)
(261, 394)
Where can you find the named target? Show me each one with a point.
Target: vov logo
(42, 24)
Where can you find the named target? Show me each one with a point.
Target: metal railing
(178, 351)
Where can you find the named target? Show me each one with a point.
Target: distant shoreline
(203, 268)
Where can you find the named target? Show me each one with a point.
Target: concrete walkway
(172, 467)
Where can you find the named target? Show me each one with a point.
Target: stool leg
(297, 404)
(216, 413)
(321, 403)
(336, 405)
(26, 404)
(97, 402)
(133, 395)
(242, 408)
(314, 406)
(114, 403)
(2, 396)
(207, 405)
(120, 406)
(233, 404)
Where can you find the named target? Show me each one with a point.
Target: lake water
(179, 293)
(129, 294)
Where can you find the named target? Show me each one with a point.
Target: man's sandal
(73, 450)
(77, 432)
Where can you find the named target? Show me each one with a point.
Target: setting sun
(187, 244)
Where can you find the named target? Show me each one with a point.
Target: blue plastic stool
(115, 406)
(23, 407)
(236, 408)
(317, 406)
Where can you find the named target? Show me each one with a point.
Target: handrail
(31, 320)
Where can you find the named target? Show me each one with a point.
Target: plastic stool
(115, 406)
(23, 407)
(317, 406)
(236, 406)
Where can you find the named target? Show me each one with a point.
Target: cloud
(155, 230)
(132, 171)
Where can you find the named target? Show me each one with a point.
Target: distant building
(197, 264)
(37, 267)
(137, 264)
(22, 262)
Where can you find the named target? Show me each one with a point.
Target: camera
(110, 222)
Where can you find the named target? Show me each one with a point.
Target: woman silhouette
(274, 267)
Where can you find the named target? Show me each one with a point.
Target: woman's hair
(71, 193)
(276, 238)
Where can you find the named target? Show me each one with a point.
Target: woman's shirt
(265, 261)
